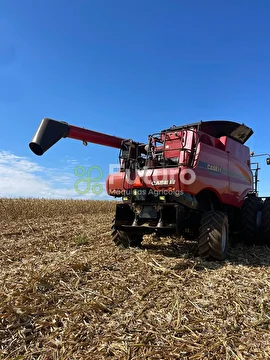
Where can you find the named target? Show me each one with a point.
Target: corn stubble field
(68, 293)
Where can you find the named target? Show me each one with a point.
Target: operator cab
(177, 146)
(169, 148)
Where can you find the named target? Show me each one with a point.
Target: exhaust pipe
(49, 133)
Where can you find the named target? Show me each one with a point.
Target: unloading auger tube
(51, 131)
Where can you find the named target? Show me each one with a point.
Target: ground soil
(66, 291)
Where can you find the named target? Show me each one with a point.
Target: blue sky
(127, 68)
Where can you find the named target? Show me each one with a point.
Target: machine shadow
(184, 249)
(238, 254)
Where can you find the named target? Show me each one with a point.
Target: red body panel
(222, 171)
(120, 183)
(221, 166)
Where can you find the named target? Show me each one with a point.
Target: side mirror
(268, 161)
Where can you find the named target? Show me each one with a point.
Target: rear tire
(266, 222)
(213, 235)
(250, 219)
(123, 239)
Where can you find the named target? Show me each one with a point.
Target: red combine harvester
(194, 181)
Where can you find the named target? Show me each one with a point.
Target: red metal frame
(95, 137)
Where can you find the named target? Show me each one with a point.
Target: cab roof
(217, 128)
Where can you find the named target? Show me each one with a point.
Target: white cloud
(21, 177)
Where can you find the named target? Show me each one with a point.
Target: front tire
(123, 239)
(213, 235)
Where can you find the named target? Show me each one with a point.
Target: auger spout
(51, 131)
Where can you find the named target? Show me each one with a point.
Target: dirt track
(67, 293)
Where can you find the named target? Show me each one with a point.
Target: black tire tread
(266, 221)
(209, 241)
(124, 240)
(249, 212)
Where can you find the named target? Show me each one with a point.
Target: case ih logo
(163, 182)
(210, 167)
(214, 168)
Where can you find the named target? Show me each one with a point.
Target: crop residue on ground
(66, 292)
